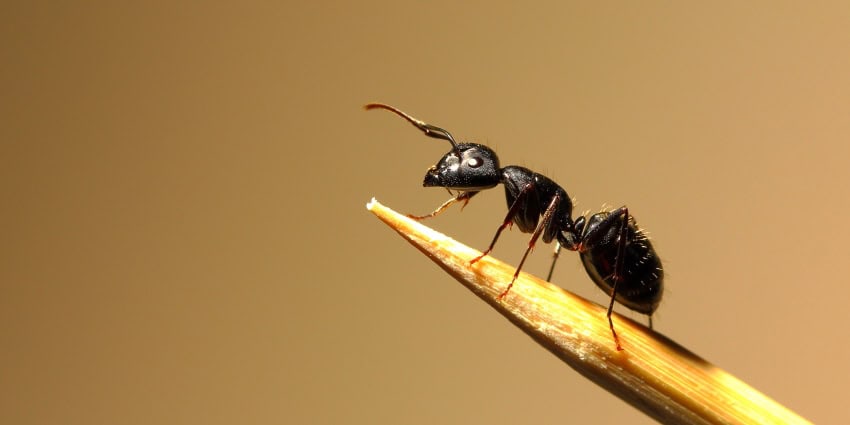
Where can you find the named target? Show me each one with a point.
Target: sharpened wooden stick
(653, 373)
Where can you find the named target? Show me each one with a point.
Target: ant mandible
(616, 254)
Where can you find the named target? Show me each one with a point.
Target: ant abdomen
(641, 278)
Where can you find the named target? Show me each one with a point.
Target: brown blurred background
(183, 191)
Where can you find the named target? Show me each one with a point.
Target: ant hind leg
(623, 214)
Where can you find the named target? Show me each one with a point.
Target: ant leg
(623, 213)
(650, 321)
(554, 259)
(518, 202)
(541, 225)
(567, 239)
(462, 196)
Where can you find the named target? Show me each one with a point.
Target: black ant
(617, 255)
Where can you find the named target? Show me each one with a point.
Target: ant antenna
(428, 129)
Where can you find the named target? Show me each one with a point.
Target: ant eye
(474, 162)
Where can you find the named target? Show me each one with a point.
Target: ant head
(476, 168)
(467, 167)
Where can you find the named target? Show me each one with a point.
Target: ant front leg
(462, 196)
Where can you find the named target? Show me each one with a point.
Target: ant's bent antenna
(428, 129)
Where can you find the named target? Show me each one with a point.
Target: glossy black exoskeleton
(616, 254)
